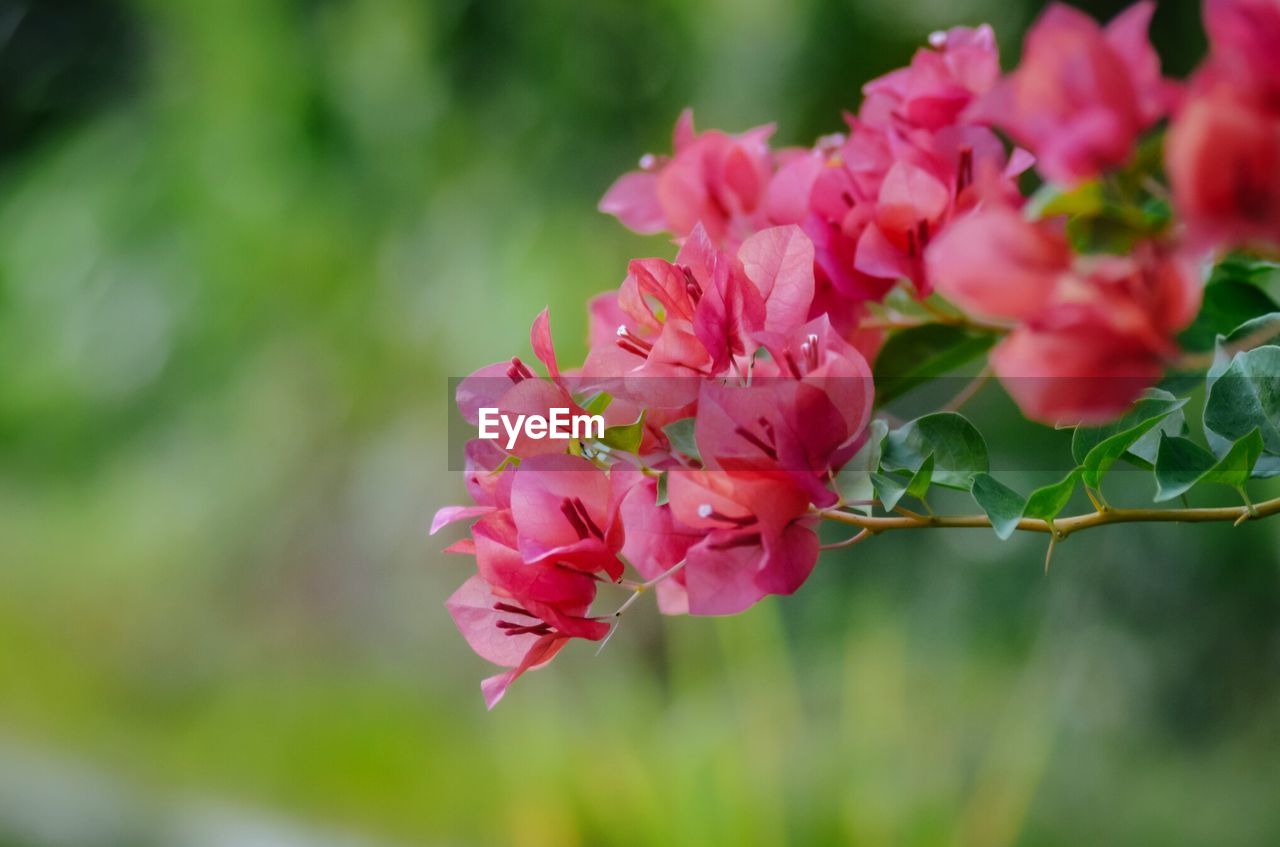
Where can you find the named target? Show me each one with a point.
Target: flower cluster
(735, 380)
(1224, 145)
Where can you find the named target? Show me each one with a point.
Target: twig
(848, 542)
(1060, 528)
(969, 391)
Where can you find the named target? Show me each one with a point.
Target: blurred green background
(243, 245)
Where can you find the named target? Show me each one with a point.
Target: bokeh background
(244, 244)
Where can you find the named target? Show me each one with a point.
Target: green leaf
(1241, 267)
(1180, 464)
(1227, 304)
(1238, 464)
(1143, 451)
(598, 403)
(1050, 201)
(1048, 501)
(1246, 396)
(956, 446)
(853, 482)
(1183, 463)
(662, 497)
(889, 489)
(918, 487)
(1096, 449)
(1001, 503)
(914, 356)
(680, 434)
(1155, 404)
(625, 438)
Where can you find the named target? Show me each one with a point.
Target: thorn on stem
(1048, 556)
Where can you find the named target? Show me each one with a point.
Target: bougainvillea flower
(909, 209)
(943, 79)
(1106, 336)
(555, 595)
(1223, 158)
(566, 510)
(513, 389)
(696, 317)
(1081, 94)
(760, 539)
(994, 262)
(656, 543)
(1244, 37)
(712, 178)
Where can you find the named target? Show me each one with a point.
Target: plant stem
(1061, 527)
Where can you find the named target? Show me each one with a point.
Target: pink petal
(779, 261)
(633, 200)
(452, 514)
(684, 133)
(471, 607)
(543, 348)
(542, 651)
(722, 582)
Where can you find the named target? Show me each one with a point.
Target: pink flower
(519, 615)
(1106, 335)
(656, 543)
(996, 263)
(909, 210)
(1244, 38)
(565, 510)
(940, 82)
(1222, 152)
(713, 178)
(760, 539)
(698, 317)
(514, 389)
(1082, 93)
(1223, 158)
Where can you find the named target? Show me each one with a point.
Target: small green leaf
(662, 490)
(1050, 201)
(1180, 464)
(1143, 451)
(1238, 464)
(1048, 501)
(1154, 403)
(914, 356)
(625, 438)
(1001, 503)
(680, 434)
(1097, 449)
(598, 403)
(918, 487)
(957, 447)
(853, 482)
(889, 489)
(1244, 397)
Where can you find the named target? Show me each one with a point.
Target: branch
(1062, 527)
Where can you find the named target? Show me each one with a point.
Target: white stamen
(705, 510)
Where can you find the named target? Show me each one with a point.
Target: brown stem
(1060, 528)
